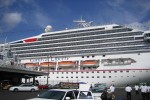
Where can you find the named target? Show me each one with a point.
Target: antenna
(83, 23)
(79, 21)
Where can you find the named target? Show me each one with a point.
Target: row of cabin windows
(100, 46)
(78, 31)
(46, 44)
(90, 34)
(90, 72)
(88, 56)
(101, 31)
(97, 72)
(110, 50)
(97, 37)
(113, 46)
(87, 38)
(86, 77)
(83, 38)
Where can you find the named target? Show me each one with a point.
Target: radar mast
(82, 23)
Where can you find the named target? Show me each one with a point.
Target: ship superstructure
(110, 54)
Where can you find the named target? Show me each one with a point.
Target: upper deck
(98, 40)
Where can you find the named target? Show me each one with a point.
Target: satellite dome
(48, 28)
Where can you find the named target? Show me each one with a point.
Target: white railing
(16, 66)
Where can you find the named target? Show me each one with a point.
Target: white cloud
(41, 19)
(124, 12)
(140, 26)
(5, 3)
(27, 1)
(144, 4)
(0, 30)
(12, 19)
(115, 3)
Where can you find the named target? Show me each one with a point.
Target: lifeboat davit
(67, 63)
(31, 64)
(48, 64)
(90, 63)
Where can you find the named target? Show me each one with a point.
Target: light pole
(48, 70)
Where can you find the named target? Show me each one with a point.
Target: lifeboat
(46, 64)
(90, 63)
(31, 64)
(66, 63)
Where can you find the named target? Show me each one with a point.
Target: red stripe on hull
(30, 40)
(97, 70)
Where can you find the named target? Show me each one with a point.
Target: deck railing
(15, 66)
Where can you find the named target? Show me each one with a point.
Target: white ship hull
(110, 54)
(118, 74)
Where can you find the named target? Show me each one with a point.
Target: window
(115, 71)
(84, 95)
(109, 76)
(70, 94)
(89, 67)
(98, 77)
(103, 55)
(104, 76)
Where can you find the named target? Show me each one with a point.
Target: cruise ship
(111, 54)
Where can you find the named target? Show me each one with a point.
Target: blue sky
(25, 18)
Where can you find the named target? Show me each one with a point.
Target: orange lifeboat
(31, 64)
(89, 63)
(67, 63)
(46, 64)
